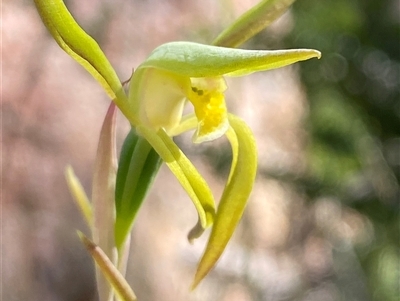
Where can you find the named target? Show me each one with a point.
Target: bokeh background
(323, 221)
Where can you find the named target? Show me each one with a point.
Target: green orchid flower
(194, 72)
(174, 75)
(177, 73)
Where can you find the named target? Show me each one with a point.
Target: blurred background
(322, 223)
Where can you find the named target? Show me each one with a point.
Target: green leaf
(123, 165)
(252, 22)
(198, 60)
(234, 197)
(138, 166)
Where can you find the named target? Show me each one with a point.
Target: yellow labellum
(208, 100)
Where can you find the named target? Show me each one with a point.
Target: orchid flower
(179, 72)
(174, 75)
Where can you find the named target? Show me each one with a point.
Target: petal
(252, 22)
(160, 99)
(77, 43)
(198, 60)
(188, 123)
(234, 197)
(83, 49)
(188, 176)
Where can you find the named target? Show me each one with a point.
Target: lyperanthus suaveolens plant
(175, 75)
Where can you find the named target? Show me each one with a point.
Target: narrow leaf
(139, 165)
(234, 197)
(103, 194)
(113, 276)
(79, 195)
(123, 165)
(252, 22)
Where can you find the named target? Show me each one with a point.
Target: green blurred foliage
(354, 120)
